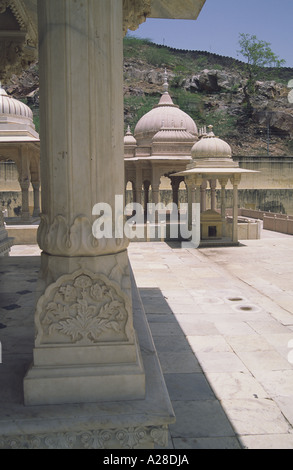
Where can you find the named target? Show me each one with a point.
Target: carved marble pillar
(175, 183)
(203, 201)
(213, 184)
(24, 182)
(86, 348)
(146, 188)
(155, 193)
(36, 188)
(138, 183)
(223, 182)
(190, 199)
(235, 180)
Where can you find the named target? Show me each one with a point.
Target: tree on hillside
(257, 54)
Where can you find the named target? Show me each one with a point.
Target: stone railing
(281, 223)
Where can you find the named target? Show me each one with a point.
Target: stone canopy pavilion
(212, 164)
(161, 145)
(20, 143)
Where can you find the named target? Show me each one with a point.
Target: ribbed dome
(165, 114)
(211, 147)
(11, 106)
(212, 151)
(173, 134)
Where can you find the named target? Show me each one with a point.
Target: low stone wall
(278, 224)
(247, 229)
(281, 223)
(258, 214)
(23, 234)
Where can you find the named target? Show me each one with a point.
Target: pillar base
(85, 348)
(60, 385)
(25, 217)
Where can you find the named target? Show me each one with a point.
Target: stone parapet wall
(278, 224)
(281, 223)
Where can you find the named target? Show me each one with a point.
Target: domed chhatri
(16, 120)
(129, 139)
(20, 143)
(12, 107)
(210, 151)
(161, 145)
(129, 144)
(165, 113)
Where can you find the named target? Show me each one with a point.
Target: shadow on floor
(201, 422)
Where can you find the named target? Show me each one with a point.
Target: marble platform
(121, 424)
(222, 322)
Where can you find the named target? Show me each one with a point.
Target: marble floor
(222, 323)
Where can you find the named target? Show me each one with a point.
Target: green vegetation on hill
(209, 87)
(241, 114)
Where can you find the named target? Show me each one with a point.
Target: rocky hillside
(211, 88)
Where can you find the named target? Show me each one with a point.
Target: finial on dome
(166, 84)
(210, 133)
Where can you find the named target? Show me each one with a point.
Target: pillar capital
(235, 179)
(36, 185)
(213, 184)
(24, 182)
(223, 180)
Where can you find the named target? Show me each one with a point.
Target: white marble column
(235, 180)
(203, 196)
(155, 183)
(175, 183)
(194, 195)
(190, 187)
(213, 184)
(85, 348)
(24, 182)
(138, 183)
(223, 183)
(36, 188)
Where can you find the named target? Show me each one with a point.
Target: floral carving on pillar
(135, 12)
(83, 309)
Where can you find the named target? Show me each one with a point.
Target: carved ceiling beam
(18, 41)
(135, 12)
